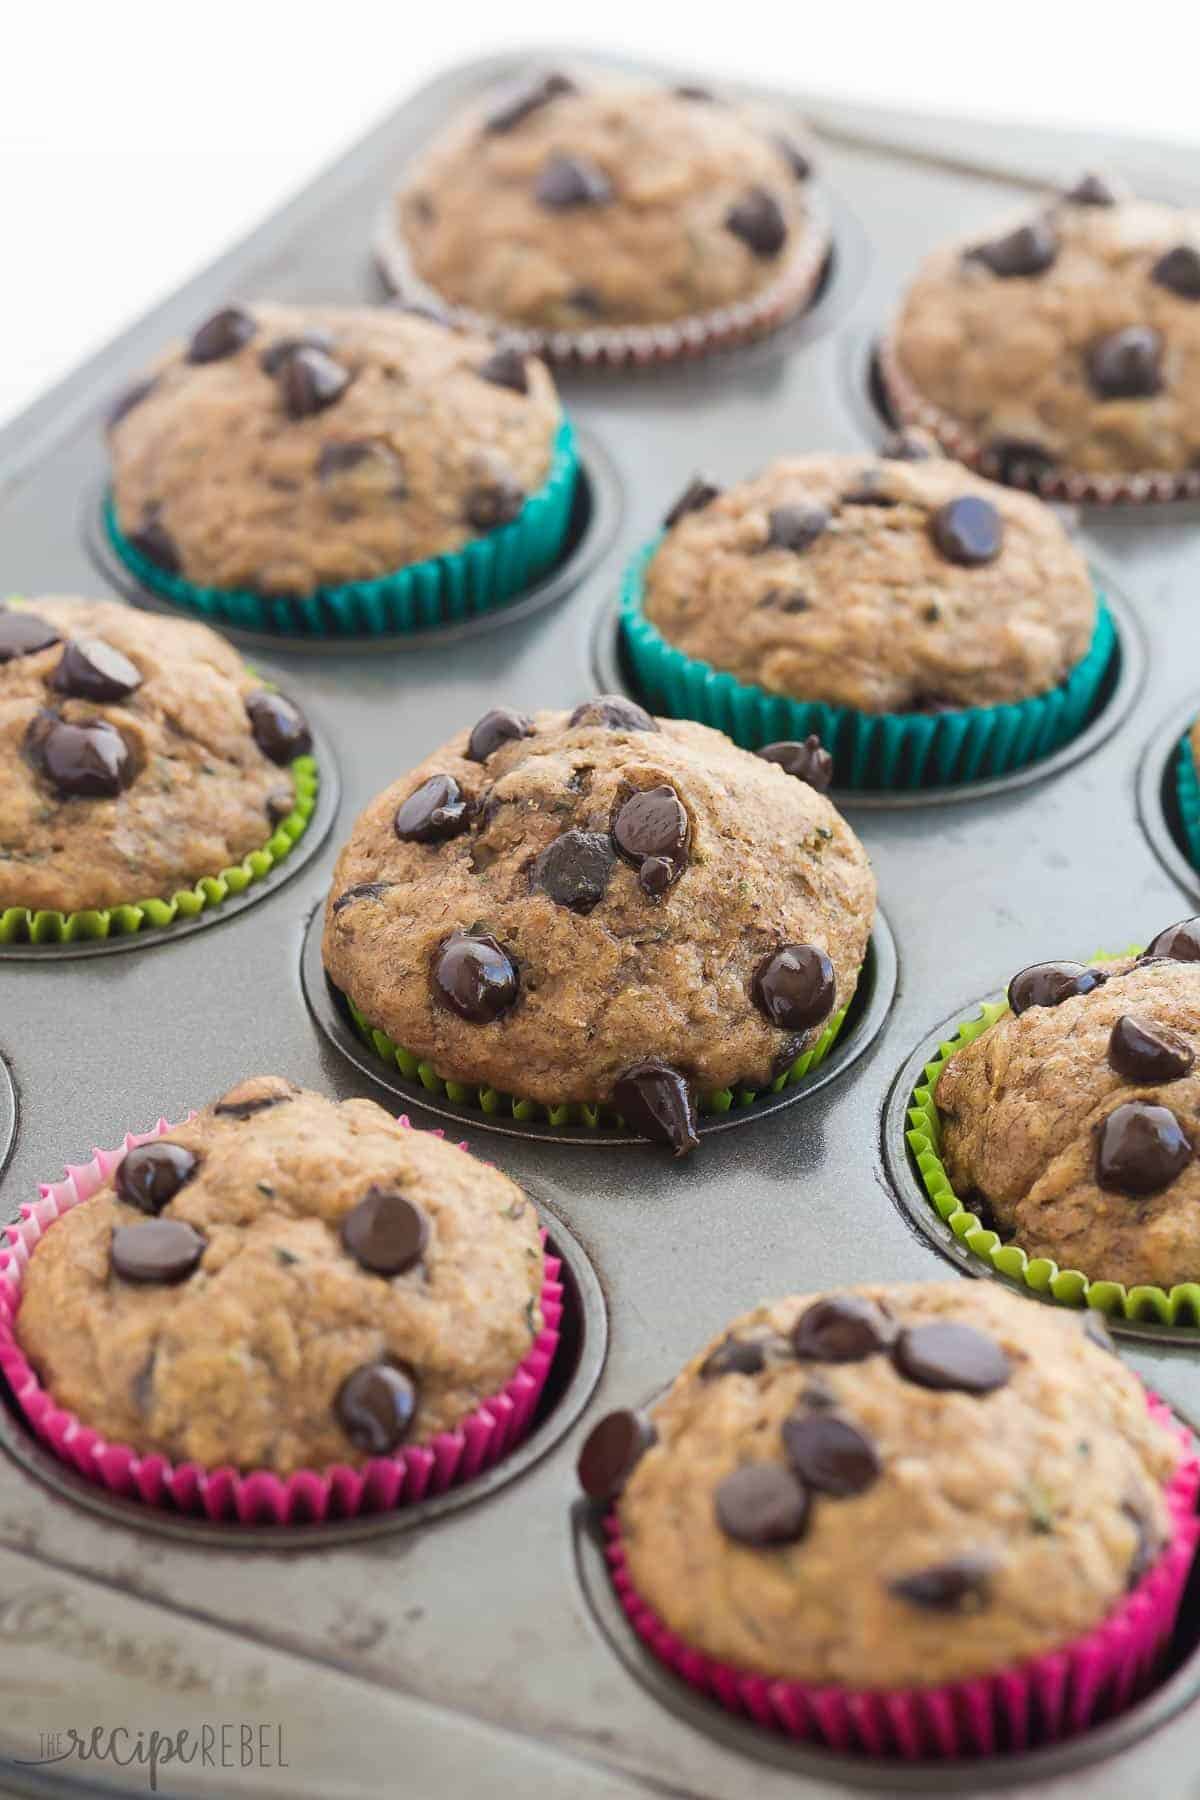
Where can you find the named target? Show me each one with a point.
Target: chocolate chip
(686, 91)
(149, 1175)
(433, 812)
(842, 1328)
(656, 875)
(376, 1405)
(907, 446)
(1145, 1548)
(808, 761)
(869, 491)
(586, 299)
(795, 527)
(735, 1356)
(365, 890)
(1097, 1332)
(1016, 459)
(23, 634)
(958, 1586)
(799, 164)
(653, 823)
(1179, 272)
(222, 335)
(1148, 1054)
(944, 1354)
(498, 727)
(655, 1101)
(492, 504)
(1140, 1149)
(309, 381)
(475, 977)
(155, 543)
(159, 1250)
(968, 531)
(505, 367)
(1126, 365)
(279, 727)
(90, 761)
(1091, 190)
(699, 493)
(757, 219)
(124, 404)
(794, 602)
(795, 986)
(276, 354)
(614, 713)
(1050, 983)
(611, 1452)
(762, 1504)
(90, 669)
(254, 1096)
(523, 97)
(1028, 250)
(1177, 943)
(830, 1454)
(386, 1232)
(357, 468)
(574, 869)
(567, 181)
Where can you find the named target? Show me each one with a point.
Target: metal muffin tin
(475, 1649)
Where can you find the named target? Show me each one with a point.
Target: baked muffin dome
(1067, 339)
(562, 906)
(138, 755)
(892, 1487)
(314, 1284)
(567, 208)
(285, 449)
(1073, 1116)
(888, 585)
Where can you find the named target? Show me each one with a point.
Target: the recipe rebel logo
(221, 1744)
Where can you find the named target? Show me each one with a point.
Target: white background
(137, 139)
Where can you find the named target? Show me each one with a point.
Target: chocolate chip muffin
(283, 1283)
(885, 1488)
(561, 206)
(603, 907)
(1068, 340)
(139, 754)
(1071, 1121)
(898, 584)
(283, 450)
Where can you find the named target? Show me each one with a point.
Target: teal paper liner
(902, 751)
(444, 590)
(1187, 792)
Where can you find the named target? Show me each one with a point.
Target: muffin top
(1068, 338)
(285, 449)
(566, 207)
(600, 906)
(284, 1282)
(138, 754)
(884, 1487)
(905, 584)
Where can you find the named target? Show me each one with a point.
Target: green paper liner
(496, 1104)
(444, 590)
(1187, 792)
(1180, 1306)
(18, 924)
(901, 751)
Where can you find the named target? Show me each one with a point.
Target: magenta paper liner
(1037, 1702)
(415, 1472)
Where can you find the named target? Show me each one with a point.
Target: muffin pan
(482, 1628)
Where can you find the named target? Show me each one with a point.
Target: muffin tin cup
(1037, 1702)
(1139, 488)
(483, 577)
(904, 752)
(414, 1473)
(1187, 798)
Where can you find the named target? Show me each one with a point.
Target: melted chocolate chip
(222, 335)
(687, 91)
(365, 890)
(1179, 272)
(614, 713)
(799, 164)
(1050, 983)
(611, 1452)
(842, 1328)
(762, 1504)
(795, 987)
(376, 1405)
(309, 381)
(155, 543)
(795, 527)
(279, 727)
(586, 299)
(90, 669)
(1177, 943)
(699, 493)
(492, 504)
(276, 354)
(808, 761)
(655, 1101)
(505, 367)
(869, 490)
(1126, 365)
(757, 219)
(907, 446)
(735, 1356)
(1091, 190)
(526, 96)
(433, 812)
(959, 1585)
(653, 823)
(149, 1175)
(1097, 1331)
(159, 1250)
(830, 1454)
(254, 1096)
(476, 978)
(1148, 1054)
(386, 1232)
(1016, 459)
(1140, 1149)
(568, 181)
(1029, 250)
(358, 468)
(574, 869)
(90, 761)
(125, 402)
(498, 727)
(967, 531)
(946, 1355)
(23, 634)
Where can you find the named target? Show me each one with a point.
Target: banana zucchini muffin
(562, 206)
(603, 907)
(284, 1282)
(1072, 1119)
(139, 755)
(1067, 340)
(885, 1488)
(284, 450)
(902, 584)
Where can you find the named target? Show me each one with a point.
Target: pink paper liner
(958, 441)
(1037, 1702)
(415, 1472)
